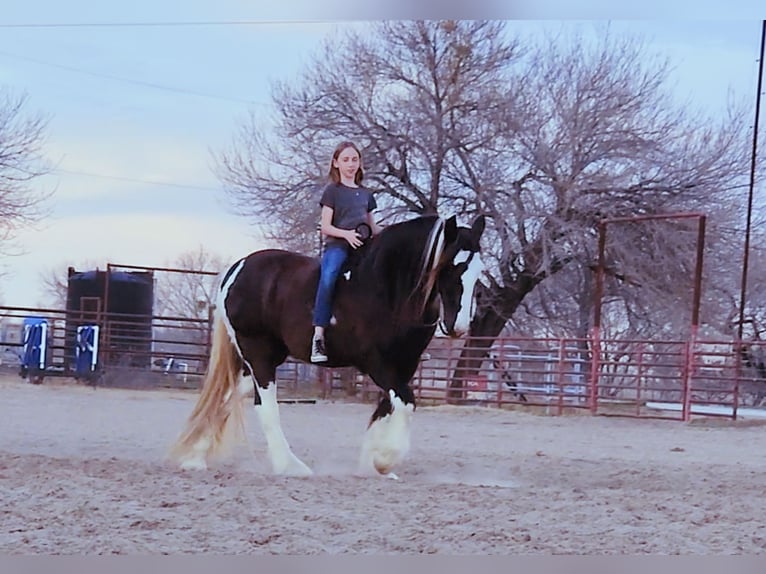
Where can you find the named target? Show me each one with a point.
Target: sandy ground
(82, 471)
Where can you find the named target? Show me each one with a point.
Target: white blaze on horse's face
(469, 278)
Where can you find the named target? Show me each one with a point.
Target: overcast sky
(135, 112)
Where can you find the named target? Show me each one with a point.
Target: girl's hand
(353, 238)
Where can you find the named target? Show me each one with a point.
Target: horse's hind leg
(262, 359)
(283, 460)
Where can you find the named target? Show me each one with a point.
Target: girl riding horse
(345, 206)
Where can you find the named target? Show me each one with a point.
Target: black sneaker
(318, 353)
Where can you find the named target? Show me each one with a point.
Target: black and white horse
(413, 276)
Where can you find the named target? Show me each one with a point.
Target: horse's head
(460, 269)
(413, 261)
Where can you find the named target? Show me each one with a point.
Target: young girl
(345, 205)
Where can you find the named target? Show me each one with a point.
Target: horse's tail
(219, 407)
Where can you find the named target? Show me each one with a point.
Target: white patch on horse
(246, 386)
(461, 257)
(434, 247)
(283, 461)
(220, 306)
(469, 278)
(246, 383)
(387, 440)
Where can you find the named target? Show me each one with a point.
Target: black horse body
(385, 313)
(381, 323)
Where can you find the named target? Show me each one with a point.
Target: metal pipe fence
(636, 378)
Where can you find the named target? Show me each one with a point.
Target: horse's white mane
(433, 250)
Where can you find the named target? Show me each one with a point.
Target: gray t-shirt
(350, 206)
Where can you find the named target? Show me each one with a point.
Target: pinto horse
(414, 275)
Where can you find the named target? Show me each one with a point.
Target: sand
(83, 471)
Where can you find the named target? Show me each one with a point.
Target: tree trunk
(485, 328)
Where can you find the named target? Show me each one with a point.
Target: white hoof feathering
(194, 464)
(291, 466)
(245, 387)
(387, 441)
(197, 459)
(283, 461)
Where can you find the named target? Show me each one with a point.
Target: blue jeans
(332, 260)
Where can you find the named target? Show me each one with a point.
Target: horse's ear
(477, 229)
(450, 230)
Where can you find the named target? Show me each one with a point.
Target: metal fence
(634, 378)
(132, 350)
(657, 379)
(663, 379)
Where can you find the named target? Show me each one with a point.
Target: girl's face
(347, 163)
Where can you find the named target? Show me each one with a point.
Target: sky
(136, 113)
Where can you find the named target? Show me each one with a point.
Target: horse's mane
(404, 261)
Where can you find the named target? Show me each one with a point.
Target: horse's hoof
(293, 467)
(384, 466)
(298, 470)
(194, 464)
(301, 472)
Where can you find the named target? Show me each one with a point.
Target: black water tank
(126, 336)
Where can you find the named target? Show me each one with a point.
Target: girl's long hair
(334, 173)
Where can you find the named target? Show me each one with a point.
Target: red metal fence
(639, 378)
(658, 379)
(650, 379)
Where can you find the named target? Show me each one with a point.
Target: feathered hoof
(293, 467)
(306, 471)
(193, 464)
(385, 460)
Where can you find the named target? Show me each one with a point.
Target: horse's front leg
(387, 439)
(261, 357)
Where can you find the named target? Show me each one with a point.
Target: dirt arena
(82, 471)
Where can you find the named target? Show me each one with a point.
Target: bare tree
(54, 281)
(54, 284)
(186, 294)
(185, 299)
(545, 141)
(22, 135)
(191, 293)
(417, 94)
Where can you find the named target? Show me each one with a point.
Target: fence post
(420, 379)
(448, 375)
(561, 375)
(686, 381)
(737, 377)
(639, 376)
(595, 368)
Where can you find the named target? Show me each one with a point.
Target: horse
(412, 276)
